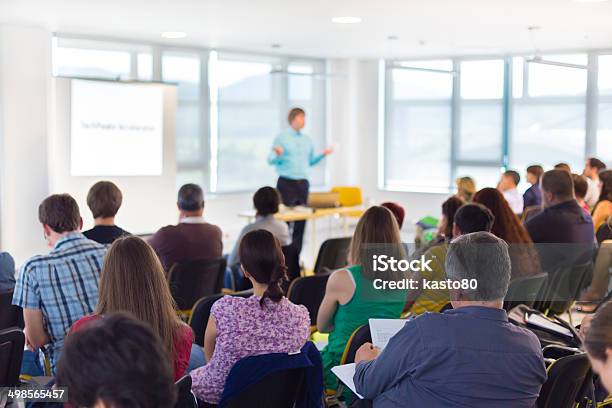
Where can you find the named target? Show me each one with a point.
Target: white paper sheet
(383, 329)
(542, 322)
(345, 374)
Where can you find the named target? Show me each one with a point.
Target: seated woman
(603, 209)
(350, 298)
(134, 281)
(507, 226)
(264, 323)
(266, 201)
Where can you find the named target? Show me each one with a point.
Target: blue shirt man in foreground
(293, 154)
(470, 356)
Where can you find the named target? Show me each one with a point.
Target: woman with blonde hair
(351, 297)
(466, 188)
(133, 281)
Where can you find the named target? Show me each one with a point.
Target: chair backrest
(308, 291)
(12, 341)
(524, 290)
(332, 255)
(280, 389)
(360, 336)
(292, 260)
(185, 398)
(201, 312)
(10, 315)
(566, 377)
(563, 287)
(192, 280)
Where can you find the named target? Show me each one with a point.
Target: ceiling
(423, 27)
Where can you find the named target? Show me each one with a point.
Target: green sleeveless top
(365, 304)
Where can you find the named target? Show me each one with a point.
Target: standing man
(292, 155)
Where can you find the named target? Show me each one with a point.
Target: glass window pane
(547, 134)
(604, 80)
(517, 76)
(484, 176)
(184, 70)
(243, 81)
(604, 133)
(414, 84)
(300, 83)
(550, 80)
(244, 146)
(91, 63)
(481, 132)
(418, 148)
(188, 133)
(482, 79)
(145, 67)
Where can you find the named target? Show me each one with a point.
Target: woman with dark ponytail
(264, 323)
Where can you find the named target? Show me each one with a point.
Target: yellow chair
(348, 196)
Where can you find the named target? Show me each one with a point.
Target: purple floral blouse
(246, 329)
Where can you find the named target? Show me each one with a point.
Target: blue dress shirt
(466, 357)
(298, 155)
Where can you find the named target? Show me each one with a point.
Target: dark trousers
(294, 192)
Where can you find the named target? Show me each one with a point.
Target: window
(604, 111)
(98, 59)
(549, 124)
(493, 114)
(418, 130)
(551, 80)
(184, 69)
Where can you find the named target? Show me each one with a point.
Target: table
(291, 214)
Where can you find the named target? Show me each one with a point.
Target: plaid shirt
(63, 285)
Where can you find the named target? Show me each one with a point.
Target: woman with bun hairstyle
(264, 323)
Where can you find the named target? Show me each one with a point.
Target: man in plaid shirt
(57, 289)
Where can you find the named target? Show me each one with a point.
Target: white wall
(25, 67)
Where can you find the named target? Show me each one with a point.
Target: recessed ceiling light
(173, 34)
(346, 20)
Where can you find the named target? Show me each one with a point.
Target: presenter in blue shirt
(293, 154)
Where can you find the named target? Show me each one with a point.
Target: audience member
(598, 344)
(600, 283)
(350, 298)
(508, 227)
(266, 322)
(193, 238)
(563, 166)
(472, 217)
(397, 210)
(604, 232)
(57, 289)
(562, 221)
(603, 209)
(466, 187)
(580, 189)
(533, 195)
(591, 171)
(133, 281)
(470, 356)
(507, 186)
(266, 201)
(7, 272)
(104, 199)
(445, 226)
(116, 362)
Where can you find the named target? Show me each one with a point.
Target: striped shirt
(63, 285)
